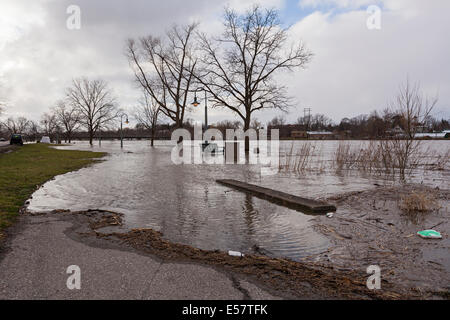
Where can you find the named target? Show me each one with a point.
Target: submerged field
(27, 167)
(185, 205)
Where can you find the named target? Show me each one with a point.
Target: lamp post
(196, 103)
(122, 115)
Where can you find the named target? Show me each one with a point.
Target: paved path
(34, 260)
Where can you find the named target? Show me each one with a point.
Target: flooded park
(185, 203)
(225, 150)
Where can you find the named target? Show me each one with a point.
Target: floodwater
(186, 204)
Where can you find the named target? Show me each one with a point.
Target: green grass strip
(28, 167)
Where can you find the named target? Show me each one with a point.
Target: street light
(122, 115)
(196, 103)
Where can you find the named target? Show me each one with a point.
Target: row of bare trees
(236, 69)
(88, 104)
(54, 124)
(401, 118)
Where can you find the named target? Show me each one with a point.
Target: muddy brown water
(186, 204)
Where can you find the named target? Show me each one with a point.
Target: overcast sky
(354, 70)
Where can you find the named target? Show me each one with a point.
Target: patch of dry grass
(442, 161)
(419, 202)
(299, 161)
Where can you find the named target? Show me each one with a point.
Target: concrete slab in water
(282, 198)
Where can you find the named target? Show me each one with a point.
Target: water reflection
(186, 204)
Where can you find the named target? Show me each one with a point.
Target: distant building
(433, 135)
(320, 135)
(299, 134)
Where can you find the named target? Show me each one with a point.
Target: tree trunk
(91, 137)
(153, 137)
(247, 139)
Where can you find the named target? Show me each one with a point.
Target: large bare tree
(68, 118)
(147, 114)
(238, 68)
(94, 102)
(164, 68)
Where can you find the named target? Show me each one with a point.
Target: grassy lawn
(22, 170)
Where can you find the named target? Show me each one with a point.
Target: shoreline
(321, 277)
(281, 277)
(25, 169)
(338, 273)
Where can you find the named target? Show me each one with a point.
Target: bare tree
(238, 69)
(164, 68)
(277, 121)
(303, 122)
(68, 118)
(16, 125)
(93, 100)
(319, 122)
(33, 131)
(147, 114)
(49, 124)
(411, 109)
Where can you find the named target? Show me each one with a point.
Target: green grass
(24, 169)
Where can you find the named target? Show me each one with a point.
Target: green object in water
(430, 234)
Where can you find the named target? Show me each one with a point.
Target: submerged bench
(282, 198)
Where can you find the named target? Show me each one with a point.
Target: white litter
(330, 215)
(235, 254)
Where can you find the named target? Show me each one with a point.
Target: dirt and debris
(295, 280)
(370, 228)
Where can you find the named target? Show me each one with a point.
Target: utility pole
(307, 115)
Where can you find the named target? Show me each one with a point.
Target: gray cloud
(354, 69)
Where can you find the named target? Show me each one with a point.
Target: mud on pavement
(282, 277)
